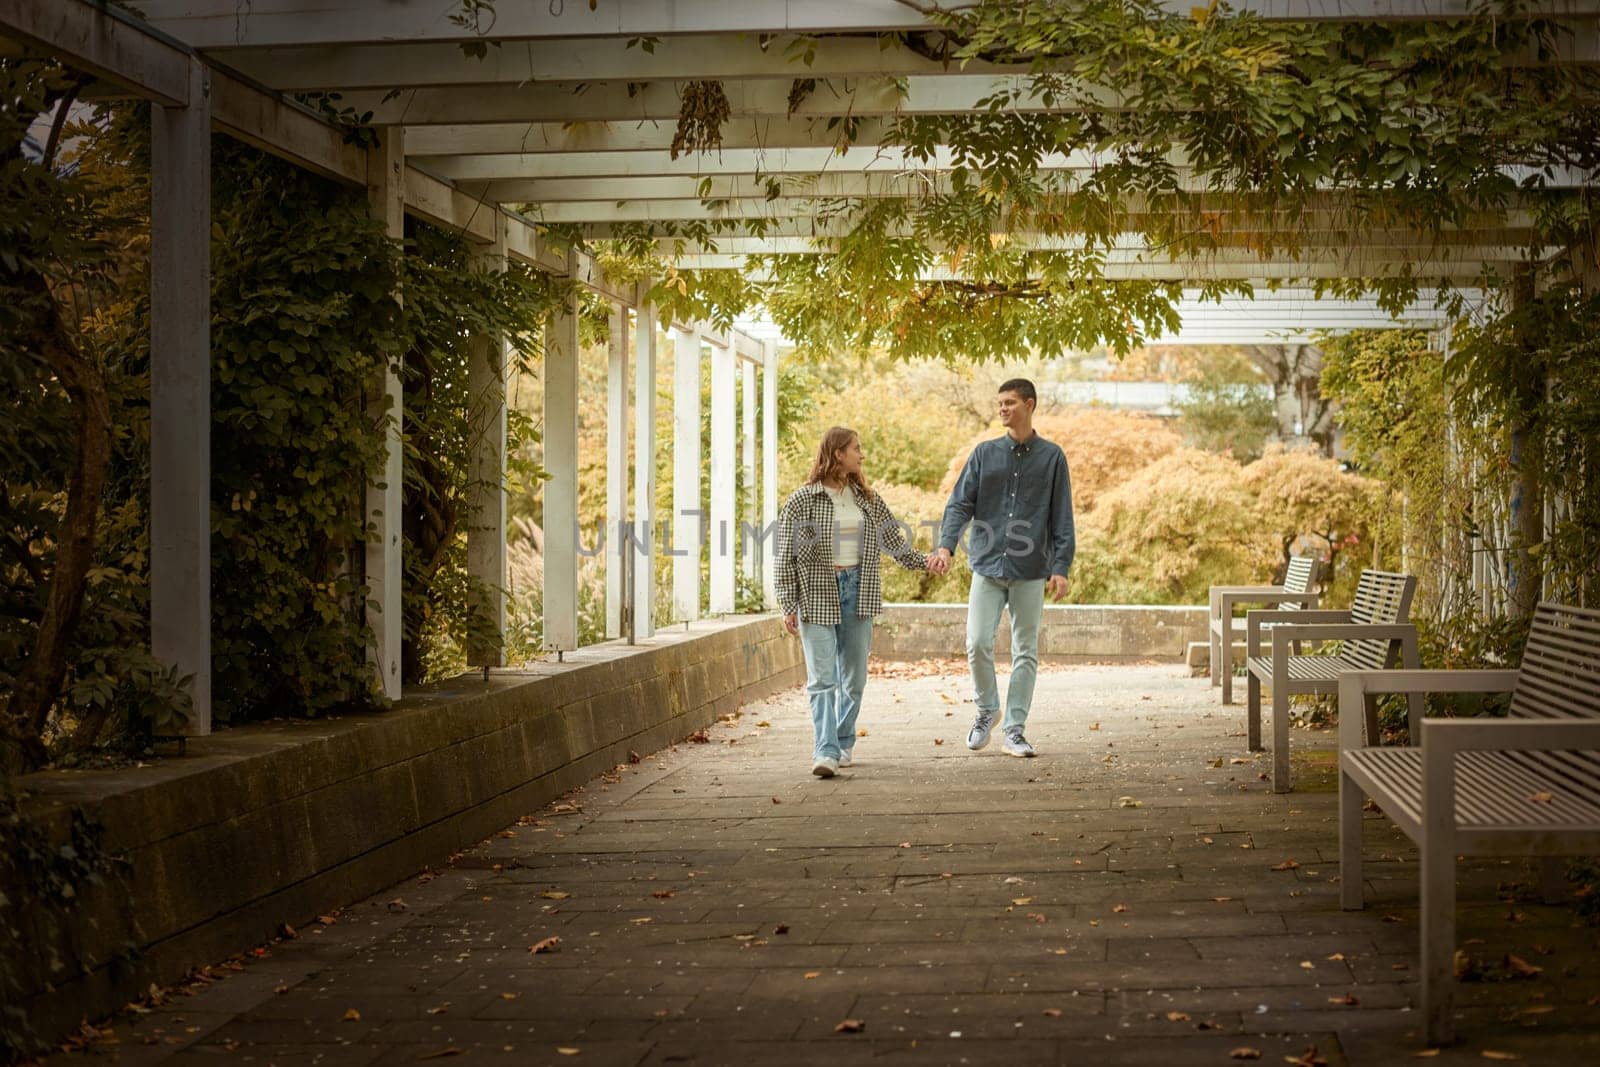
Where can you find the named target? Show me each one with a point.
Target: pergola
(566, 115)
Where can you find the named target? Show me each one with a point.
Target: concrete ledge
(1070, 633)
(283, 821)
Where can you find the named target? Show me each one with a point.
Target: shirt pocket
(1033, 492)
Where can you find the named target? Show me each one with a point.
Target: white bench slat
(1492, 791)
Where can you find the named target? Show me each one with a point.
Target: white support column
(749, 495)
(724, 459)
(769, 469)
(687, 516)
(386, 195)
(180, 390)
(561, 490)
(617, 556)
(486, 529)
(644, 472)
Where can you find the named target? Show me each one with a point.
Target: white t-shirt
(847, 514)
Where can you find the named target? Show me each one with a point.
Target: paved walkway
(1126, 898)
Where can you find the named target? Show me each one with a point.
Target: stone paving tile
(716, 904)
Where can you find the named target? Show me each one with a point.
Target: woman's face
(850, 457)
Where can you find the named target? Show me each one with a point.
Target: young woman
(831, 532)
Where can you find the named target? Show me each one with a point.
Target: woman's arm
(786, 580)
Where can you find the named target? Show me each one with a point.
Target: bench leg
(1438, 941)
(1280, 739)
(1369, 710)
(1351, 800)
(1212, 640)
(1225, 660)
(1253, 717)
(1416, 704)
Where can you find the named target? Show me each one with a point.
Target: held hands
(939, 562)
(792, 623)
(1057, 587)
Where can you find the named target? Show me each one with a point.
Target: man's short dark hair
(1022, 387)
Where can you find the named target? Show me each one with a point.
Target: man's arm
(1063, 536)
(963, 502)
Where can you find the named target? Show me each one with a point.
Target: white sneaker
(825, 767)
(978, 736)
(1016, 745)
(845, 758)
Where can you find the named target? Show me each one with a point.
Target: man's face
(1014, 410)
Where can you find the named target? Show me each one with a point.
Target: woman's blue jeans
(836, 670)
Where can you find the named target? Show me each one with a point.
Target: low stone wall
(1069, 633)
(277, 823)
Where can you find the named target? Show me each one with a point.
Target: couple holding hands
(1014, 501)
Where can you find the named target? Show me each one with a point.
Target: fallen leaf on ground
(554, 894)
(775, 800)
(763, 722)
(699, 737)
(1493, 1054)
(1348, 1000)
(1245, 1052)
(1538, 1009)
(1094, 726)
(938, 740)
(850, 1026)
(448, 1050)
(1120, 908)
(327, 920)
(567, 1050)
(509, 996)
(813, 974)
(1286, 865)
(641, 920)
(1129, 802)
(1036, 917)
(1238, 759)
(781, 928)
(947, 698)
(861, 733)
(547, 945)
(1052, 1013)
(1221, 900)
(1177, 1016)
(442, 1009)
(1019, 901)
(352, 1016)
(1013, 880)
(1427, 1053)
(1309, 1058)
(664, 894)
(1336, 957)
(904, 844)
(1308, 965)
(1522, 968)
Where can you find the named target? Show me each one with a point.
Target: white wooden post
(644, 471)
(386, 195)
(486, 529)
(617, 556)
(561, 489)
(180, 390)
(769, 470)
(724, 457)
(687, 515)
(749, 497)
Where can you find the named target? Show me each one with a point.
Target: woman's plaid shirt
(807, 534)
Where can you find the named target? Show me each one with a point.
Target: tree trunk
(39, 682)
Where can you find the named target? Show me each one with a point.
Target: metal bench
(1525, 785)
(1294, 593)
(1371, 635)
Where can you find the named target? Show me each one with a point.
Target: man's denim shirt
(1018, 499)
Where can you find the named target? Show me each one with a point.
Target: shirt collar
(1021, 448)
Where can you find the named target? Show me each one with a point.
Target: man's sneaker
(844, 758)
(825, 767)
(1015, 744)
(978, 736)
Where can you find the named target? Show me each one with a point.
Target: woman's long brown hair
(826, 467)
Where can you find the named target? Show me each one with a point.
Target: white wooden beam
(769, 470)
(561, 488)
(104, 42)
(618, 554)
(386, 196)
(180, 389)
(223, 24)
(713, 56)
(724, 467)
(219, 24)
(768, 132)
(645, 551)
(486, 530)
(688, 517)
(661, 101)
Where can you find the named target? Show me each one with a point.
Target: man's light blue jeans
(836, 670)
(1025, 599)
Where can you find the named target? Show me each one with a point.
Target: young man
(1017, 495)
